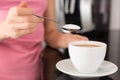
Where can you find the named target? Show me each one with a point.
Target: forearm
(54, 39)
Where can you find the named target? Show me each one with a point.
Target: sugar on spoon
(67, 28)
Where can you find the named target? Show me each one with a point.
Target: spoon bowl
(71, 28)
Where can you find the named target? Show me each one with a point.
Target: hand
(19, 22)
(66, 38)
(61, 40)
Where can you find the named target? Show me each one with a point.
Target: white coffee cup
(88, 56)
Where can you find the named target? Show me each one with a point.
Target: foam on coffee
(87, 45)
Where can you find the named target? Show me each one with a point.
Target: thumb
(23, 4)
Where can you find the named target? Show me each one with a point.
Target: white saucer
(105, 69)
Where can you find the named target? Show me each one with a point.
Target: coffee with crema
(87, 45)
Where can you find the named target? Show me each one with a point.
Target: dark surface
(52, 56)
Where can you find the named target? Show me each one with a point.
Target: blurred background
(90, 15)
(97, 18)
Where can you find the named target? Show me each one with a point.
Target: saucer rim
(82, 75)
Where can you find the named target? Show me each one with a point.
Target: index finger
(21, 11)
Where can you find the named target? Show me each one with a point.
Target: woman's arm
(53, 37)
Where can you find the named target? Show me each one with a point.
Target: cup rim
(102, 44)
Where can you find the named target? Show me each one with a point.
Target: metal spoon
(67, 28)
(46, 18)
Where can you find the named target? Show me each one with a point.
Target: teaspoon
(67, 28)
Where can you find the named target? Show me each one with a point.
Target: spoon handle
(45, 18)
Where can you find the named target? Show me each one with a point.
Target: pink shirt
(20, 58)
